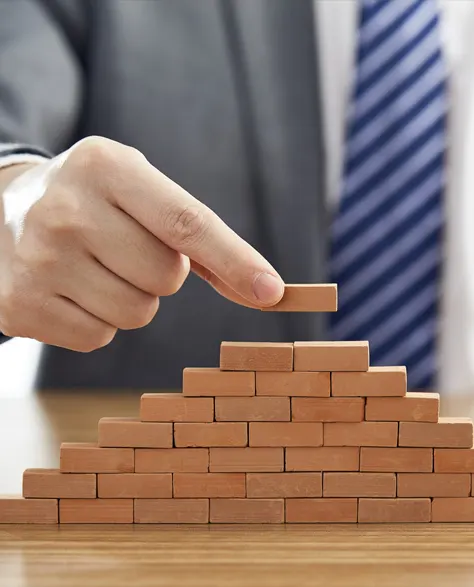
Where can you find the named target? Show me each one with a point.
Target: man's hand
(90, 240)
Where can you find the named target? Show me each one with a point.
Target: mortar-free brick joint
(296, 432)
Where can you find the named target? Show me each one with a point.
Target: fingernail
(268, 288)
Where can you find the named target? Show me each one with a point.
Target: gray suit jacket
(222, 96)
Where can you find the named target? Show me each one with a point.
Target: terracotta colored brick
(130, 432)
(256, 356)
(308, 297)
(284, 485)
(213, 434)
(447, 433)
(253, 409)
(414, 407)
(452, 509)
(89, 458)
(50, 483)
(243, 460)
(361, 434)
(433, 484)
(398, 460)
(214, 382)
(327, 409)
(393, 511)
(331, 356)
(171, 460)
(297, 383)
(285, 434)
(209, 485)
(171, 511)
(325, 510)
(96, 511)
(377, 381)
(247, 511)
(324, 458)
(359, 485)
(139, 485)
(174, 407)
(17, 510)
(456, 460)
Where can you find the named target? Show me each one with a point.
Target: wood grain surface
(31, 429)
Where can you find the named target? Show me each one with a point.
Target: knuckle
(187, 227)
(61, 214)
(140, 314)
(93, 153)
(96, 338)
(176, 275)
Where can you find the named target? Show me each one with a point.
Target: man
(223, 97)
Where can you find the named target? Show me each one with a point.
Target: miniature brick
(50, 483)
(171, 511)
(213, 434)
(247, 511)
(131, 432)
(398, 460)
(321, 297)
(414, 407)
(139, 485)
(285, 434)
(284, 485)
(209, 485)
(393, 511)
(256, 356)
(96, 511)
(331, 356)
(252, 409)
(17, 510)
(447, 433)
(452, 509)
(454, 460)
(174, 407)
(171, 460)
(214, 382)
(327, 409)
(433, 485)
(324, 511)
(89, 458)
(324, 458)
(294, 383)
(246, 460)
(361, 434)
(377, 381)
(359, 485)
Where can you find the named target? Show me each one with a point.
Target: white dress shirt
(336, 22)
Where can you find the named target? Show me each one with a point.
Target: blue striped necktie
(386, 236)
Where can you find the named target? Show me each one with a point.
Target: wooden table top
(31, 430)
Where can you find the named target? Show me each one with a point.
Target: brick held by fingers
(51, 483)
(414, 407)
(327, 409)
(393, 511)
(174, 407)
(252, 409)
(247, 511)
(323, 458)
(246, 460)
(214, 434)
(398, 460)
(376, 381)
(325, 510)
(87, 457)
(256, 356)
(210, 382)
(18, 510)
(433, 485)
(331, 356)
(294, 383)
(132, 433)
(96, 511)
(446, 433)
(307, 297)
(359, 485)
(171, 460)
(171, 511)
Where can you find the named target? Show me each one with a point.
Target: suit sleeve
(41, 79)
